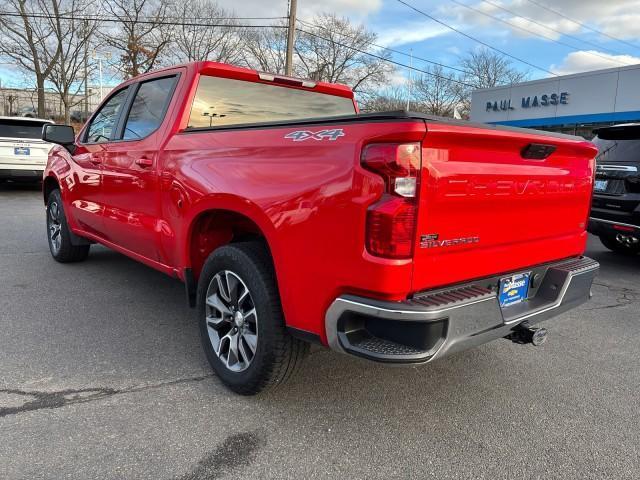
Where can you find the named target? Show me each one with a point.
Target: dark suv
(615, 213)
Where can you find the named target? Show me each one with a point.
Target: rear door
(485, 208)
(130, 169)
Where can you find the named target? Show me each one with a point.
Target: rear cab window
(224, 102)
(618, 161)
(29, 129)
(618, 144)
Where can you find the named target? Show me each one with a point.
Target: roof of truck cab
(226, 70)
(241, 73)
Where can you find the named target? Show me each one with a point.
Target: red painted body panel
(309, 200)
(520, 212)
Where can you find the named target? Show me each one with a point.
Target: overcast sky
(404, 29)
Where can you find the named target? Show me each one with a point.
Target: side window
(104, 122)
(148, 108)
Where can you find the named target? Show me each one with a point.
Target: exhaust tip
(524, 334)
(628, 240)
(539, 336)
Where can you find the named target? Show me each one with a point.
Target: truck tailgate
(484, 209)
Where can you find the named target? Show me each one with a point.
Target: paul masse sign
(530, 102)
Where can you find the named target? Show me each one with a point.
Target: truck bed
(397, 115)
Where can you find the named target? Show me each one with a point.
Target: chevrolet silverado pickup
(293, 219)
(615, 212)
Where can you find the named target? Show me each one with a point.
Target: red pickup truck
(293, 219)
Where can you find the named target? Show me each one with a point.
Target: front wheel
(58, 234)
(621, 244)
(241, 321)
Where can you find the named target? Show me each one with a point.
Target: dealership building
(574, 104)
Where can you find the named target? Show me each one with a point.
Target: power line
(387, 60)
(81, 18)
(73, 16)
(535, 22)
(583, 25)
(476, 39)
(399, 52)
(142, 22)
(513, 25)
(231, 18)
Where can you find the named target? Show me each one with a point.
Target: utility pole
(291, 33)
(100, 59)
(86, 71)
(100, 74)
(409, 82)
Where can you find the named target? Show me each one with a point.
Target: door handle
(144, 162)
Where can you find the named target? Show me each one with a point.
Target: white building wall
(590, 97)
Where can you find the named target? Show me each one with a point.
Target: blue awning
(573, 119)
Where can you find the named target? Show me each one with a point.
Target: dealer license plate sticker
(514, 289)
(22, 151)
(601, 185)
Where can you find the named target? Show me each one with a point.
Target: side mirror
(60, 134)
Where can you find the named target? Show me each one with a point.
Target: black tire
(65, 251)
(614, 245)
(277, 355)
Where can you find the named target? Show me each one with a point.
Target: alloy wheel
(55, 227)
(232, 321)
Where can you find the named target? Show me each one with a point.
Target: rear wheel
(58, 234)
(241, 320)
(620, 244)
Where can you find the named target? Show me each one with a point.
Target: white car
(23, 155)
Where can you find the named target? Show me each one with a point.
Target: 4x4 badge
(301, 135)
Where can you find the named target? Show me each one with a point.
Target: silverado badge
(432, 240)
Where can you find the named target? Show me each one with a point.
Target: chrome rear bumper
(437, 323)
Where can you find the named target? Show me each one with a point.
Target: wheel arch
(223, 221)
(49, 184)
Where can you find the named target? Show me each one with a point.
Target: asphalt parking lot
(102, 376)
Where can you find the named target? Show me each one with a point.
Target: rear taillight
(391, 222)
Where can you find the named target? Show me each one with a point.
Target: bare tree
(141, 36)
(487, 69)
(195, 43)
(26, 37)
(386, 100)
(437, 93)
(332, 49)
(73, 33)
(264, 49)
(329, 49)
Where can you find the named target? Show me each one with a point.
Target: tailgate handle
(537, 151)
